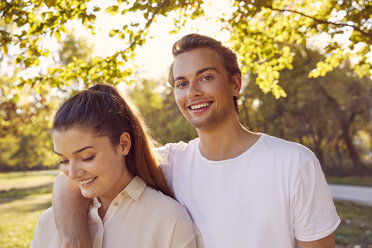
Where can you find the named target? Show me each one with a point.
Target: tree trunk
(338, 163)
(353, 153)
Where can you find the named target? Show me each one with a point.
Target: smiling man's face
(202, 89)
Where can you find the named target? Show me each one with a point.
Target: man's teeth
(87, 181)
(198, 106)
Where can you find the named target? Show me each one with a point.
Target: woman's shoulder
(46, 234)
(163, 204)
(46, 222)
(173, 216)
(47, 217)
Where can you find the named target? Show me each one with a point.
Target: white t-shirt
(139, 217)
(270, 195)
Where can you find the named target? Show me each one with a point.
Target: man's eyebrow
(206, 69)
(179, 78)
(80, 150)
(198, 72)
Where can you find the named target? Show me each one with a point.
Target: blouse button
(116, 204)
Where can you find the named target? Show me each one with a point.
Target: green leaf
(112, 10)
(5, 49)
(19, 59)
(50, 3)
(113, 32)
(57, 35)
(121, 35)
(23, 44)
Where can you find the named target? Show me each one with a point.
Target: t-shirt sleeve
(314, 212)
(165, 156)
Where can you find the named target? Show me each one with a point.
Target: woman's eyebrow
(77, 151)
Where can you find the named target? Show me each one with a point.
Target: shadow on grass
(40, 206)
(30, 174)
(20, 193)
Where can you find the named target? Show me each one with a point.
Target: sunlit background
(304, 80)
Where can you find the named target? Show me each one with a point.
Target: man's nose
(194, 89)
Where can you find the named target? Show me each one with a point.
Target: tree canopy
(326, 114)
(28, 21)
(328, 90)
(262, 32)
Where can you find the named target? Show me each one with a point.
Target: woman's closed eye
(89, 158)
(63, 162)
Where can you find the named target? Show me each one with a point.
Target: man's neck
(225, 142)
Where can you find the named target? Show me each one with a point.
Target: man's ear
(125, 143)
(237, 84)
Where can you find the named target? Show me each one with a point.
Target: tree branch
(148, 23)
(369, 35)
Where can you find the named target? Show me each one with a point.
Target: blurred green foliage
(264, 32)
(326, 114)
(160, 112)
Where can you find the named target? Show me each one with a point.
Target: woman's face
(92, 162)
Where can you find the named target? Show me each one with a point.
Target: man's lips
(199, 106)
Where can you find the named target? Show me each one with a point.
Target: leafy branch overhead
(264, 33)
(28, 22)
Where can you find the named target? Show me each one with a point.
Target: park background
(306, 77)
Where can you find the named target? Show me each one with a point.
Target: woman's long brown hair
(103, 109)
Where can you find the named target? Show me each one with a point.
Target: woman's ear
(125, 143)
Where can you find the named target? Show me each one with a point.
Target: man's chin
(203, 124)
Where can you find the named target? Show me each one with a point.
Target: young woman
(103, 148)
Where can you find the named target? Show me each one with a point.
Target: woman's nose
(74, 170)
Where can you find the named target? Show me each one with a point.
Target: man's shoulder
(173, 148)
(170, 152)
(283, 146)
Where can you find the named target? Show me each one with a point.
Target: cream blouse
(139, 217)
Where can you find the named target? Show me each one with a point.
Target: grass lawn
(22, 180)
(355, 230)
(350, 181)
(24, 196)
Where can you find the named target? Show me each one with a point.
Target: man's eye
(88, 159)
(181, 84)
(207, 77)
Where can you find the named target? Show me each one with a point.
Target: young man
(242, 189)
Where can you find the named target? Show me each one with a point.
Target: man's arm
(327, 242)
(70, 213)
